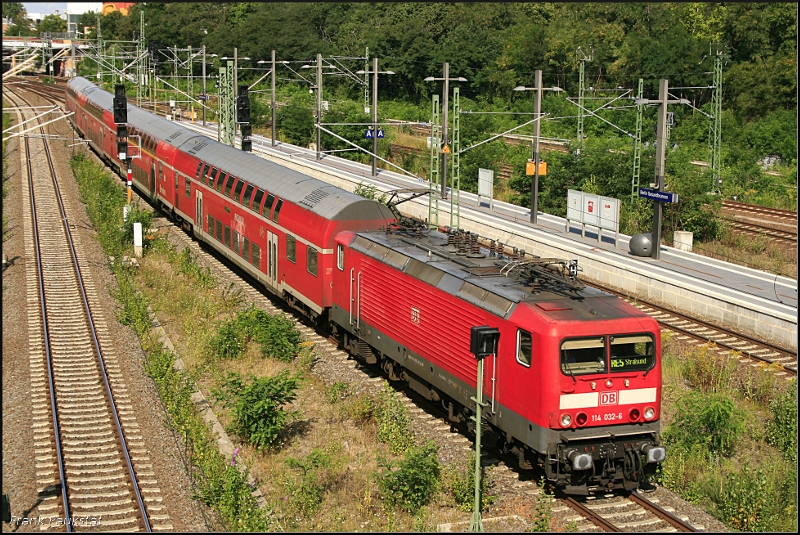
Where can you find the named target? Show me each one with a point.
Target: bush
(394, 427)
(411, 482)
(316, 477)
(782, 429)
(460, 483)
(711, 419)
(705, 370)
(278, 338)
(257, 406)
(745, 499)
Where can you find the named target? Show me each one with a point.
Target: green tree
(52, 24)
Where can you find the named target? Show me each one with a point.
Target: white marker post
(137, 240)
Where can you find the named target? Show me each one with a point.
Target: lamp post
(445, 105)
(319, 98)
(537, 110)
(375, 74)
(273, 95)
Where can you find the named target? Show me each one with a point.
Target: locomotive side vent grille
(424, 272)
(196, 148)
(313, 198)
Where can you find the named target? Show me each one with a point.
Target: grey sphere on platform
(641, 244)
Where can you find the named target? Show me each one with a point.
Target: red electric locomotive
(575, 386)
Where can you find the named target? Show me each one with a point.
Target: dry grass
(350, 500)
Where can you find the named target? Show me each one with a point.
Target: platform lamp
(537, 110)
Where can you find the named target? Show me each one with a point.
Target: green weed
(257, 406)
(411, 482)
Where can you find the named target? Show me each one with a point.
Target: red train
(575, 386)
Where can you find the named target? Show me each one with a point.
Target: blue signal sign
(380, 133)
(660, 196)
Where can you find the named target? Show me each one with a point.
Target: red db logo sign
(608, 398)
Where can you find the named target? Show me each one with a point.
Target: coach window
(311, 260)
(237, 191)
(211, 224)
(583, 356)
(213, 174)
(229, 185)
(248, 191)
(340, 256)
(227, 240)
(256, 256)
(291, 248)
(218, 234)
(197, 173)
(235, 242)
(524, 347)
(257, 200)
(277, 210)
(268, 205)
(188, 187)
(177, 180)
(246, 249)
(204, 174)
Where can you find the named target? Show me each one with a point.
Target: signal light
(122, 150)
(247, 145)
(483, 341)
(120, 105)
(247, 131)
(242, 109)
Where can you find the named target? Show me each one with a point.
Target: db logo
(262, 232)
(591, 207)
(415, 316)
(608, 398)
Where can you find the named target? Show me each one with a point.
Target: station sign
(660, 196)
(368, 134)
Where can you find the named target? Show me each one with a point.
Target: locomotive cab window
(340, 256)
(524, 348)
(311, 260)
(583, 356)
(632, 353)
(291, 248)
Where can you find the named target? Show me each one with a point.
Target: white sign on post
(486, 186)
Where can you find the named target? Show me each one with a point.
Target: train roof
(490, 281)
(327, 201)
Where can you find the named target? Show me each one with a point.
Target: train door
(151, 184)
(272, 260)
(198, 210)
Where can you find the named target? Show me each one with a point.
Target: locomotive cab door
(272, 260)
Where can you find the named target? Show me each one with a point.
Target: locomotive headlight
(649, 412)
(580, 461)
(655, 454)
(609, 383)
(566, 420)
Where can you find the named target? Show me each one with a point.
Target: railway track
(756, 352)
(91, 465)
(779, 226)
